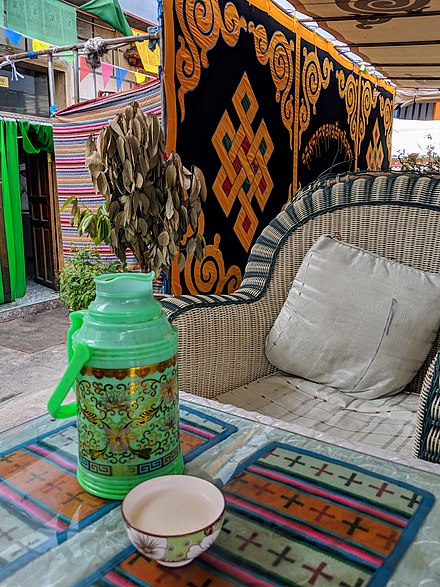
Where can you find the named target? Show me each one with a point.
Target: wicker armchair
(396, 215)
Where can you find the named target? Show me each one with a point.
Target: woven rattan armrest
(427, 437)
(221, 341)
(394, 215)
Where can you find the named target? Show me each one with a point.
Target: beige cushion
(355, 321)
(387, 422)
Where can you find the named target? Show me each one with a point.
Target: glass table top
(94, 533)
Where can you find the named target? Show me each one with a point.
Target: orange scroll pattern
(279, 53)
(386, 110)
(208, 276)
(202, 23)
(348, 89)
(375, 154)
(244, 155)
(368, 102)
(314, 80)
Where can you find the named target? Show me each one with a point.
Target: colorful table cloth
(299, 512)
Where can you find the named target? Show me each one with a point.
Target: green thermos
(122, 356)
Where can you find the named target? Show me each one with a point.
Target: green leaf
(67, 203)
(76, 217)
(86, 222)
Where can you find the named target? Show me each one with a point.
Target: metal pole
(50, 73)
(95, 85)
(75, 76)
(54, 50)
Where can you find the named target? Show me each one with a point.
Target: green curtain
(109, 11)
(13, 225)
(36, 137)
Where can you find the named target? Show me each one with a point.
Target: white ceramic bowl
(174, 518)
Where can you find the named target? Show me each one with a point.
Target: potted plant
(151, 200)
(77, 277)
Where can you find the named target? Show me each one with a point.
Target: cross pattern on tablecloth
(284, 524)
(38, 483)
(354, 482)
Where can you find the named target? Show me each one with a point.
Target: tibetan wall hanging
(263, 106)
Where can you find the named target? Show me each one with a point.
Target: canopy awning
(401, 39)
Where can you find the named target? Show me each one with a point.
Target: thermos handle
(76, 360)
(77, 319)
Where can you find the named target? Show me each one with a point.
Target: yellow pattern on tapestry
(348, 90)
(386, 111)
(201, 25)
(203, 276)
(208, 275)
(244, 155)
(368, 102)
(150, 59)
(375, 155)
(313, 81)
(325, 135)
(278, 52)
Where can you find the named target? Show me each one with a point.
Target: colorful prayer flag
(150, 59)
(120, 76)
(110, 12)
(66, 56)
(13, 36)
(106, 71)
(140, 77)
(84, 68)
(39, 45)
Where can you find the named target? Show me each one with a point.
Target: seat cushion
(356, 321)
(386, 423)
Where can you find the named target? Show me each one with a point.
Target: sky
(146, 9)
(411, 136)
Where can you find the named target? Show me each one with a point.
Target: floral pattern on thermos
(128, 419)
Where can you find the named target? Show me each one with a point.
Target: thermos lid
(132, 285)
(125, 321)
(125, 297)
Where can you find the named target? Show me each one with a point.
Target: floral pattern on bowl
(176, 549)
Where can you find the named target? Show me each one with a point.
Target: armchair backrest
(395, 215)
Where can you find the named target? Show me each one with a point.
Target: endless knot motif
(375, 155)
(244, 155)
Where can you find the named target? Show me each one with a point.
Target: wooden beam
(70, 48)
(375, 16)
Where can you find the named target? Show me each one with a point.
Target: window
(26, 95)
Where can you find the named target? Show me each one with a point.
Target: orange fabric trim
(188, 442)
(295, 185)
(168, 76)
